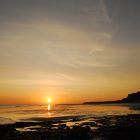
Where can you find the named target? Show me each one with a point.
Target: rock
(8, 132)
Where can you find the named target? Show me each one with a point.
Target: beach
(70, 122)
(120, 127)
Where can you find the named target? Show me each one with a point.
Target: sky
(69, 50)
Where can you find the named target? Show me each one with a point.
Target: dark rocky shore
(126, 127)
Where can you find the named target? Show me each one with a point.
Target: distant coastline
(131, 98)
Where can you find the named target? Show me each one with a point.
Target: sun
(49, 100)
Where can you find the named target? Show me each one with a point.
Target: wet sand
(119, 127)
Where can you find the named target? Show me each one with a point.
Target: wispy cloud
(105, 10)
(66, 76)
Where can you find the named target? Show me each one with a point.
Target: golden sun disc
(49, 100)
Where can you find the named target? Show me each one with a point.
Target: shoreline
(113, 127)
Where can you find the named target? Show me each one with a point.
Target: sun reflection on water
(49, 107)
(49, 110)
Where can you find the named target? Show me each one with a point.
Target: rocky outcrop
(131, 98)
(134, 97)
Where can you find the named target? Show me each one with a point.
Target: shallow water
(13, 113)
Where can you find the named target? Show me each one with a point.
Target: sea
(15, 113)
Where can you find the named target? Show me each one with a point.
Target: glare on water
(14, 113)
(49, 107)
(49, 104)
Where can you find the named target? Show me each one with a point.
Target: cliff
(131, 98)
(134, 97)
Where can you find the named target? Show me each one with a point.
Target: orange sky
(71, 51)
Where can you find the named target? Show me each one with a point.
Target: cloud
(105, 10)
(66, 76)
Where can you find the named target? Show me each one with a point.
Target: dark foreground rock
(76, 133)
(8, 132)
(101, 128)
(120, 128)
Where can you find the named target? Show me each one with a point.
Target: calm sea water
(13, 113)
